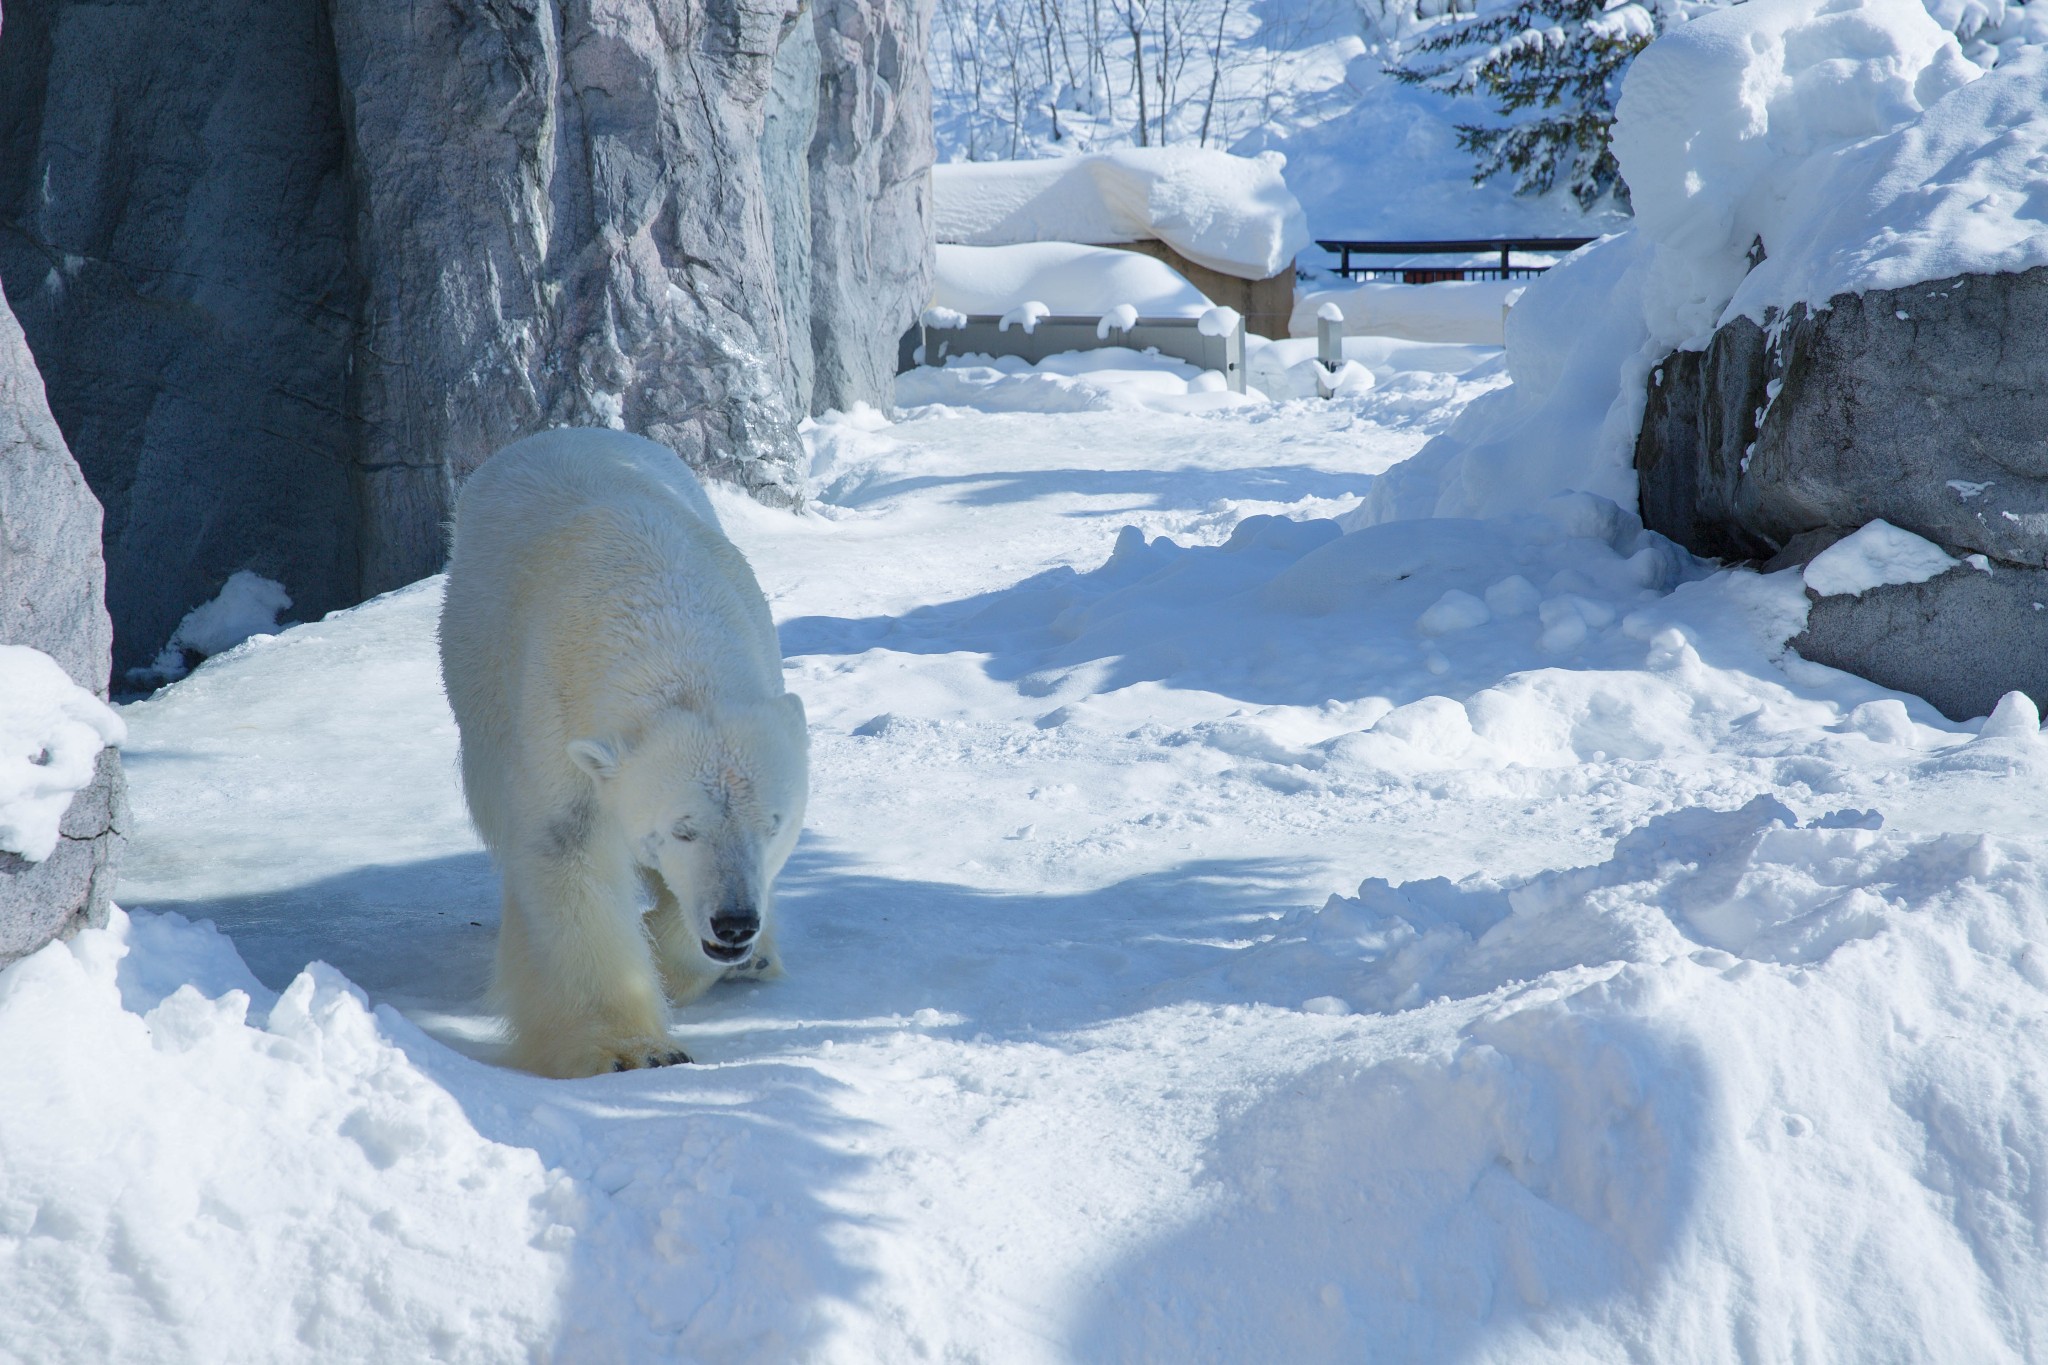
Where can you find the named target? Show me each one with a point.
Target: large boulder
(1926, 407)
(292, 268)
(50, 599)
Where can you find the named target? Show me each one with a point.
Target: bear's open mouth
(719, 952)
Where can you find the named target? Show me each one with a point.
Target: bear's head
(711, 801)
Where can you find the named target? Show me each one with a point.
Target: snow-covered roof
(1234, 214)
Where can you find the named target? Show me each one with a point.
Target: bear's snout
(735, 928)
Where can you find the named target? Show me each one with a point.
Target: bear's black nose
(735, 927)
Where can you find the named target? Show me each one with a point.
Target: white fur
(628, 751)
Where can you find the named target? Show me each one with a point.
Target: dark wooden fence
(1406, 272)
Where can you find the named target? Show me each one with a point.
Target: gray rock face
(51, 580)
(292, 268)
(172, 232)
(1926, 407)
(562, 213)
(1962, 640)
(70, 889)
(871, 234)
(786, 174)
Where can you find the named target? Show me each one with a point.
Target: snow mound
(1233, 214)
(1064, 278)
(282, 1181)
(1743, 1038)
(1877, 555)
(1579, 356)
(51, 734)
(247, 605)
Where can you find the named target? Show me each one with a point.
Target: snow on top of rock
(51, 734)
(1851, 138)
(1873, 557)
(1069, 279)
(1231, 213)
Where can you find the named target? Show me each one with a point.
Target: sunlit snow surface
(1691, 1006)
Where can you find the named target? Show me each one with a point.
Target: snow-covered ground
(1215, 938)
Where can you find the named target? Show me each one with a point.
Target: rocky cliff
(1926, 407)
(292, 268)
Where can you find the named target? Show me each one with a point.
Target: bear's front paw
(759, 967)
(644, 1053)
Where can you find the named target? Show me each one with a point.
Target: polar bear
(628, 751)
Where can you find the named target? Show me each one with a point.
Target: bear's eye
(684, 834)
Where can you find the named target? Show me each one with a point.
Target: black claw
(619, 1064)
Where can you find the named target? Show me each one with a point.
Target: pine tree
(1552, 69)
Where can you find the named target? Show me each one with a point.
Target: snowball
(51, 734)
(1026, 315)
(1074, 281)
(1121, 318)
(1455, 610)
(1233, 214)
(1220, 322)
(1877, 555)
(944, 319)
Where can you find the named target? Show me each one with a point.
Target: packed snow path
(1730, 1047)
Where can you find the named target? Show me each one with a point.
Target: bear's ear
(595, 757)
(792, 709)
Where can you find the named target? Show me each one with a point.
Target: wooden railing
(1406, 272)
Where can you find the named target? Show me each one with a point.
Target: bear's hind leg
(577, 981)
